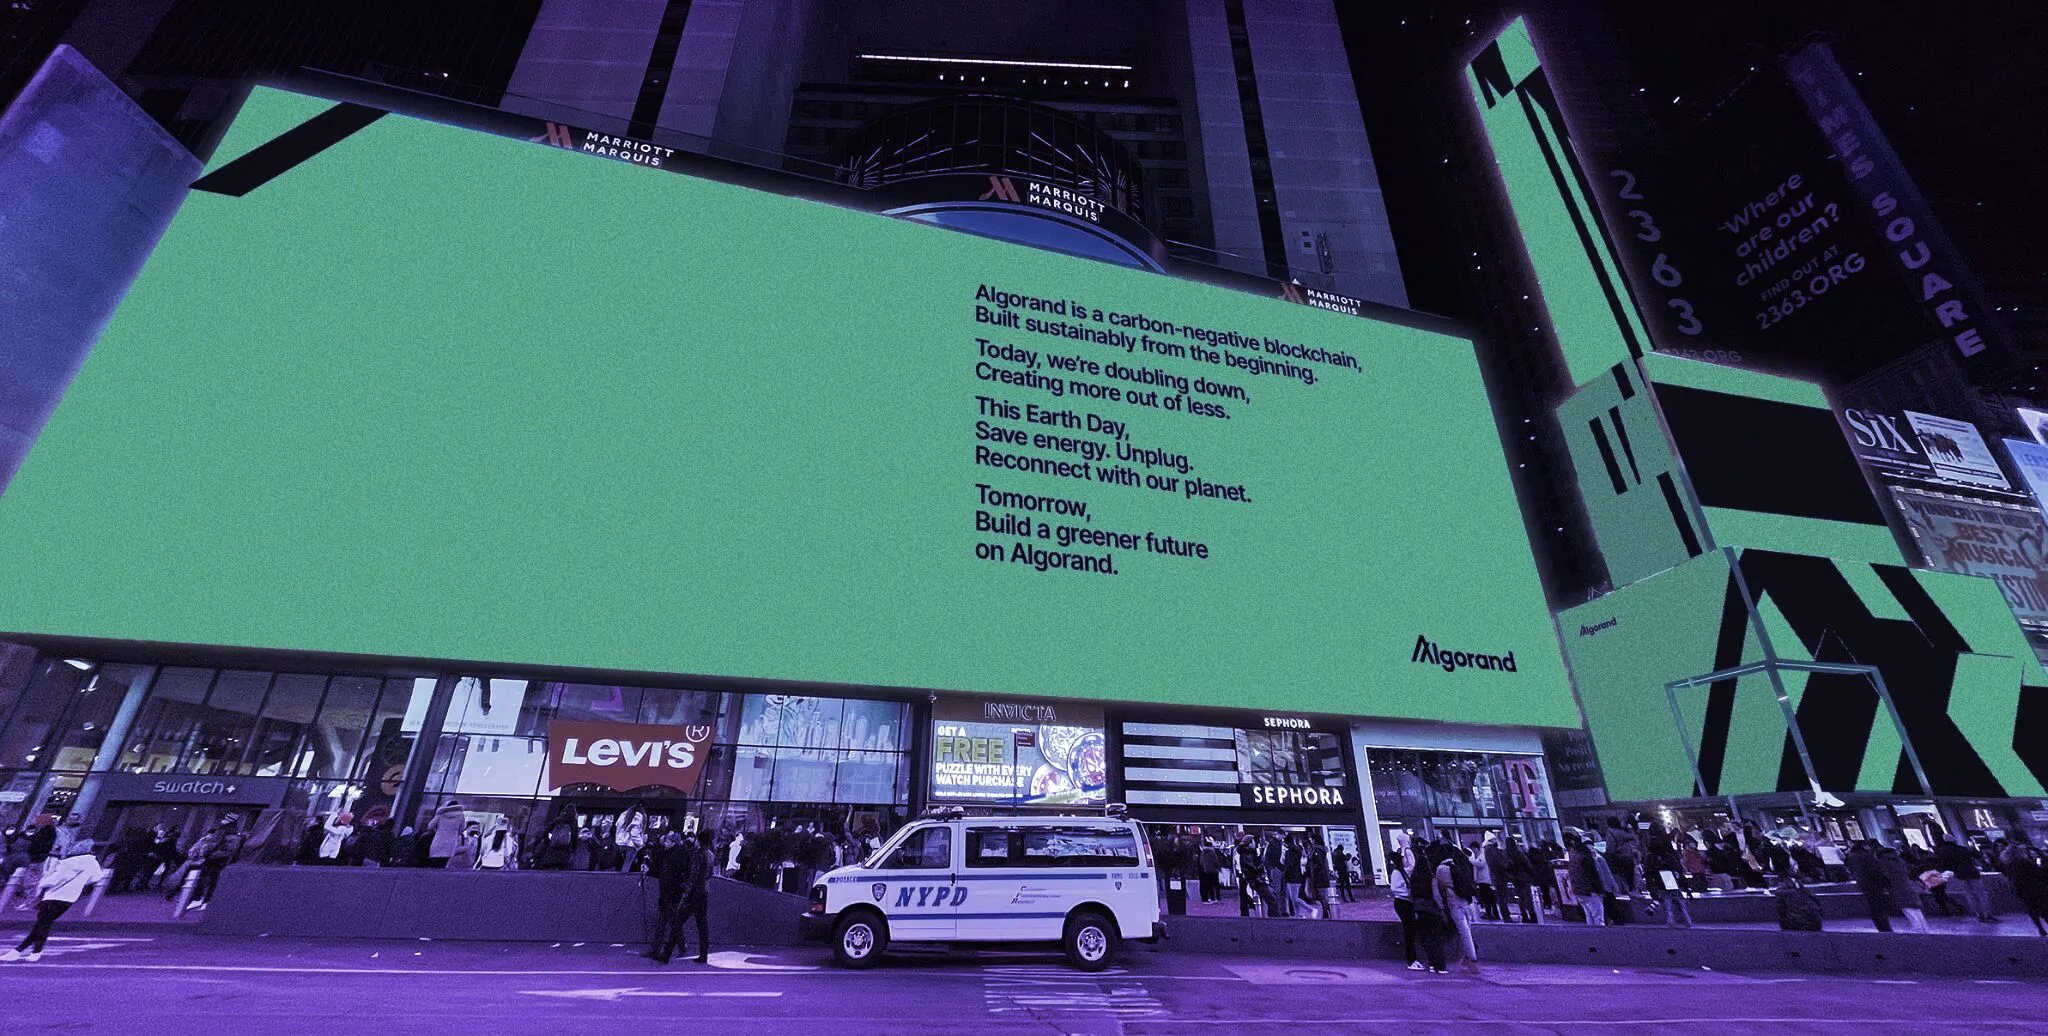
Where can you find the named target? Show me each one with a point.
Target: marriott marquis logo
(1427, 652)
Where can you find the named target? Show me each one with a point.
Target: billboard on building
(2004, 542)
(1021, 753)
(1957, 451)
(575, 413)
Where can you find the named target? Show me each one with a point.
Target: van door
(994, 905)
(916, 886)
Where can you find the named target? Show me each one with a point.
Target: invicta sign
(1428, 653)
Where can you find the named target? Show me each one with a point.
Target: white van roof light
(944, 813)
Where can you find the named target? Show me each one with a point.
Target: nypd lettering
(910, 897)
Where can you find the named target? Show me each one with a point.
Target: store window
(287, 716)
(221, 739)
(169, 718)
(29, 738)
(803, 749)
(336, 735)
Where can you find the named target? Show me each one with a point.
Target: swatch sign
(624, 756)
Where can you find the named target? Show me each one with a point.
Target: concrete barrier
(530, 906)
(1638, 945)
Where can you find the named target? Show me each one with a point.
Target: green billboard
(440, 394)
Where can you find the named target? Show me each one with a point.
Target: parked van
(1084, 882)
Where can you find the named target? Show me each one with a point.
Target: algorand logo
(1426, 651)
(1587, 631)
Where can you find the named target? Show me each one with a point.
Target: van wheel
(1090, 941)
(859, 939)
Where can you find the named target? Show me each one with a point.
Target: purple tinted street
(177, 983)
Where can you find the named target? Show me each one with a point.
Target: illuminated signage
(623, 756)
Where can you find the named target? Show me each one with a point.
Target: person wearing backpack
(1455, 893)
(1428, 909)
(558, 843)
(1798, 910)
(226, 849)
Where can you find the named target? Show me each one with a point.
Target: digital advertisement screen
(434, 393)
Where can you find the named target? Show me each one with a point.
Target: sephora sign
(624, 756)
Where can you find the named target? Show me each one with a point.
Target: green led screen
(441, 394)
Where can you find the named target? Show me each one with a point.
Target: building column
(421, 759)
(110, 746)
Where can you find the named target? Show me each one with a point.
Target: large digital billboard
(434, 393)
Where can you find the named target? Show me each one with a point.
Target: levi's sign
(624, 756)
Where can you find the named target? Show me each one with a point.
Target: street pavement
(177, 982)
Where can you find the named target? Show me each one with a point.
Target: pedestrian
(1521, 871)
(693, 903)
(500, 851)
(165, 856)
(131, 858)
(1966, 876)
(335, 834)
(1455, 893)
(37, 847)
(1904, 887)
(444, 833)
(467, 848)
(308, 854)
(2022, 866)
(62, 882)
(1340, 864)
(1316, 886)
(1294, 864)
(1663, 867)
(225, 849)
(1583, 870)
(1210, 862)
(1274, 859)
(1798, 910)
(1404, 908)
(1497, 891)
(1250, 875)
(671, 875)
(1871, 880)
(1429, 924)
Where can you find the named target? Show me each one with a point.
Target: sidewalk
(138, 909)
(1381, 908)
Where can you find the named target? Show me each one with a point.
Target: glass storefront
(1462, 795)
(76, 736)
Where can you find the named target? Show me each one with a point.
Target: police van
(1083, 882)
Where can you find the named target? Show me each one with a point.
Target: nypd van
(1081, 882)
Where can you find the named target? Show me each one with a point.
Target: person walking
(1340, 865)
(1960, 860)
(1315, 887)
(693, 903)
(1663, 873)
(2022, 866)
(224, 849)
(40, 844)
(1210, 861)
(1428, 910)
(1872, 882)
(1294, 864)
(468, 848)
(671, 876)
(1455, 892)
(1249, 875)
(1903, 886)
(1584, 872)
(62, 882)
(1274, 858)
(131, 857)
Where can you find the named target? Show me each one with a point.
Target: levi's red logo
(624, 756)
